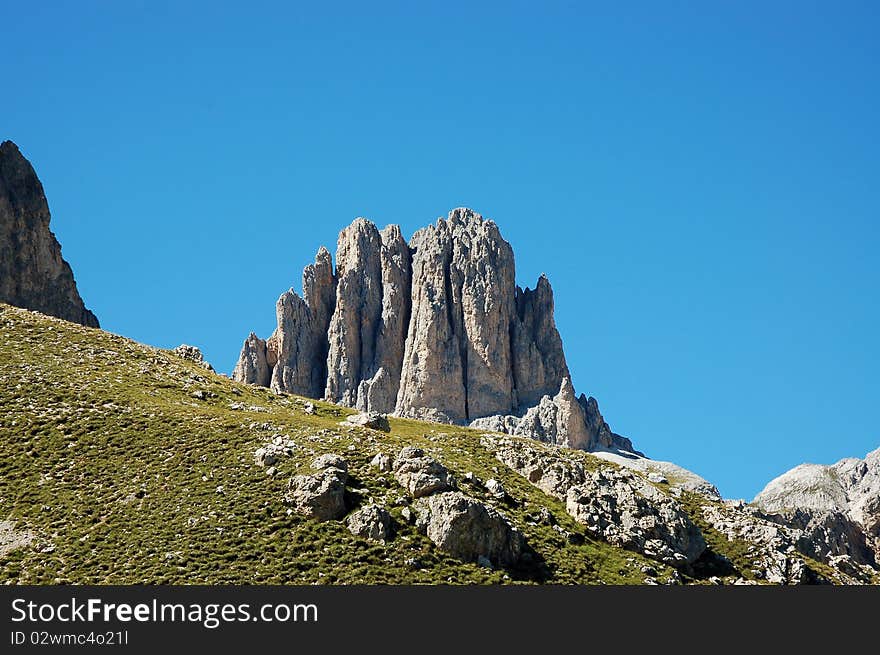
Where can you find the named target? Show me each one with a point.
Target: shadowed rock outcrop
(33, 274)
(433, 329)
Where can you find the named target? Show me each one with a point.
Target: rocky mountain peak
(33, 273)
(434, 328)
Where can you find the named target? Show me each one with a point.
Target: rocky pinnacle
(433, 329)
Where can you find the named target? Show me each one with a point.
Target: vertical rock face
(378, 392)
(368, 327)
(538, 360)
(252, 367)
(355, 322)
(33, 274)
(435, 329)
(457, 360)
(297, 350)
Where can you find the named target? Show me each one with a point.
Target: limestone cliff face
(377, 390)
(297, 350)
(539, 363)
(33, 274)
(435, 329)
(252, 367)
(457, 361)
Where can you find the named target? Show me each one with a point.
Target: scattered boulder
(320, 496)
(328, 461)
(420, 474)
(372, 522)
(372, 420)
(495, 488)
(382, 462)
(264, 457)
(468, 529)
(272, 452)
(13, 538)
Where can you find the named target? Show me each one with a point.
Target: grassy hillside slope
(122, 463)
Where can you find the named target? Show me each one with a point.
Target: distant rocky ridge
(33, 275)
(434, 329)
(836, 507)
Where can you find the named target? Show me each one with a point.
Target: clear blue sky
(698, 180)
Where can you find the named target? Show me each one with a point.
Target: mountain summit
(434, 329)
(33, 275)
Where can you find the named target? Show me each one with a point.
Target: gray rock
(320, 496)
(252, 367)
(457, 359)
(372, 522)
(382, 462)
(562, 420)
(355, 321)
(328, 461)
(612, 504)
(33, 274)
(420, 474)
(618, 507)
(495, 488)
(372, 420)
(678, 478)
(13, 537)
(773, 547)
(468, 529)
(192, 354)
(505, 424)
(434, 329)
(297, 350)
(380, 377)
(264, 457)
(559, 420)
(837, 507)
(539, 365)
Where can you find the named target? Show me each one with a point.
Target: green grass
(115, 466)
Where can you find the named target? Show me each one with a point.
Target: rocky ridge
(33, 274)
(434, 329)
(835, 508)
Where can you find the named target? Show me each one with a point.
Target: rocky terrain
(410, 420)
(32, 272)
(836, 508)
(434, 328)
(128, 464)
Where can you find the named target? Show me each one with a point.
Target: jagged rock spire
(434, 329)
